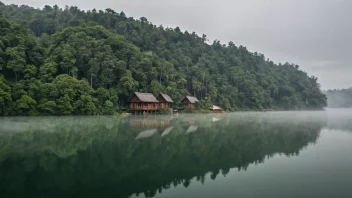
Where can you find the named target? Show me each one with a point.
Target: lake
(265, 154)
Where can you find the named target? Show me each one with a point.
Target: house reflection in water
(189, 121)
(215, 119)
(146, 133)
(162, 126)
(192, 129)
(148, 123)
(149, 126)
(167, 131)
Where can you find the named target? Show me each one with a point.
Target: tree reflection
(340, 122)
(101, 156)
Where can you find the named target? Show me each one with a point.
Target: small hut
(164, 101)
(189, 102)
(215, 109)
(143, 102)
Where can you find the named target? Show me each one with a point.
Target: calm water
(272, 154)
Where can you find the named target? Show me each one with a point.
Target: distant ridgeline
(110, 157)
(341, 98)
(62, 61)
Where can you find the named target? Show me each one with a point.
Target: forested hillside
(61, 61)
(341, 98)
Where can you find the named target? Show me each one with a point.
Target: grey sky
(316, 34)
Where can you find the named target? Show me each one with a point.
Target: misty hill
(70, 61)
(339, 98)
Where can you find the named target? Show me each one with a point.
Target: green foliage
(190, 110)
(339, 98)
(108, 108)
(105, 50)
(164, 111)
(204, 104)
(5, 96)
(64, 106)
(225, 103)
(48, 108)
(25, 106)
(127, 84)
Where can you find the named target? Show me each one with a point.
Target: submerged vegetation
(63, 61)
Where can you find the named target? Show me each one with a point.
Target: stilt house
(189, 102)
(140, 102)
(164, 101)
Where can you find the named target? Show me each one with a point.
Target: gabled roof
(145, 97)
(191, 99)
(214, 107)
(166, 97)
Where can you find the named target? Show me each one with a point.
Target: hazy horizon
(313, 34)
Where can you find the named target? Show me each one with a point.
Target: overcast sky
(316, 34)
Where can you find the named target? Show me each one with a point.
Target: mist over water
(255, 154)
(339, 98)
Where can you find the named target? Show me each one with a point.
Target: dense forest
(339, 98)
(62, 61)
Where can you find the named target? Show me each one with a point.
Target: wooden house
(143, 102)
(215, 109)
(189, 102)
(164, 101)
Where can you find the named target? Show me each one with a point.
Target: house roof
(191, 99)
(166, 97)
(146, 97)
(214, 107)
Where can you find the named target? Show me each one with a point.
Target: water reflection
(167, 131)
(340, 119)
(119, 157)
